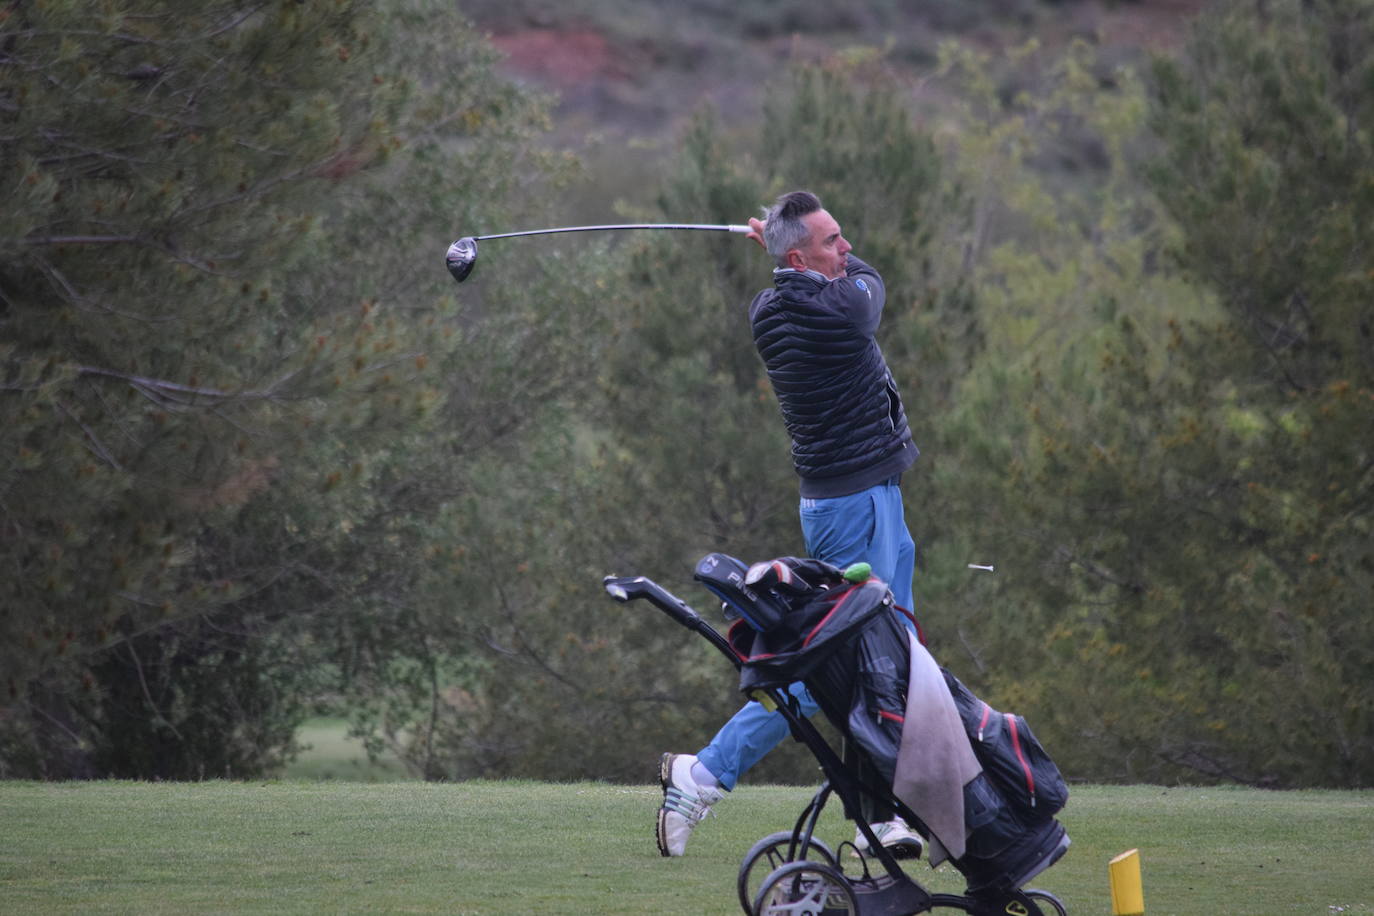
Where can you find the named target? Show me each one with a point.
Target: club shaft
(699, 226)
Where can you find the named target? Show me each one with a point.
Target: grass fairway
(330, 754)
(522, 848)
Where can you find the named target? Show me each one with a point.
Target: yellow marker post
(1128, 895)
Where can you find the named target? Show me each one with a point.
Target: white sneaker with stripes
(685, 803)
(895, 836)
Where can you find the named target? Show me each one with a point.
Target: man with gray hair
(814, 329)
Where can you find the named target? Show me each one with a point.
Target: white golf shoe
(895, 836)
(685, 803)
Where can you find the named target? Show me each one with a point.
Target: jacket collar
(782, 273)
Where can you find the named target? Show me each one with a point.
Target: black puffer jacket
(841, 407)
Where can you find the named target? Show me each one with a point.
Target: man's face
(825, 250)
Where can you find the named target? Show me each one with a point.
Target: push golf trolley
(840, 635)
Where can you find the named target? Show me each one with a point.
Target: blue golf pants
(866, 526)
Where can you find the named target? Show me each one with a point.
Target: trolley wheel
(1049, 904)
(769, 853)
(806, 889)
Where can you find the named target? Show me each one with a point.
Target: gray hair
(785, 229)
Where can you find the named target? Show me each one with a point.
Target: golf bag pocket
(1018, 764)
(883, 690)
(1014, 760)
(992, 826)
(878, 711)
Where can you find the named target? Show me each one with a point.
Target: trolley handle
(630, 588)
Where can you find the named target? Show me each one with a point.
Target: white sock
(704, 777)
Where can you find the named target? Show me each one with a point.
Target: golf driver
(462, 254)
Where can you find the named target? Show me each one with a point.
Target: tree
(231, 413)
(1185, 463)
(1060, 250)
(1265, 129)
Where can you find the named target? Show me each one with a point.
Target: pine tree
(232, 368)
(1182, 513)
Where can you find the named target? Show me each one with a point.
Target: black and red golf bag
(973, 780)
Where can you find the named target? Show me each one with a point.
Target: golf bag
(841, 635)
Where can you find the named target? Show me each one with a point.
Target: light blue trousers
(866, 526)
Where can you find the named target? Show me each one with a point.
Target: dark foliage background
(260, 458)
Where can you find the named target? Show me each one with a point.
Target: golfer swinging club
(850, 444)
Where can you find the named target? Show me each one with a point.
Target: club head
(462, 254)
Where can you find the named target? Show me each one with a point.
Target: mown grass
(523, 847)
(330, 754)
